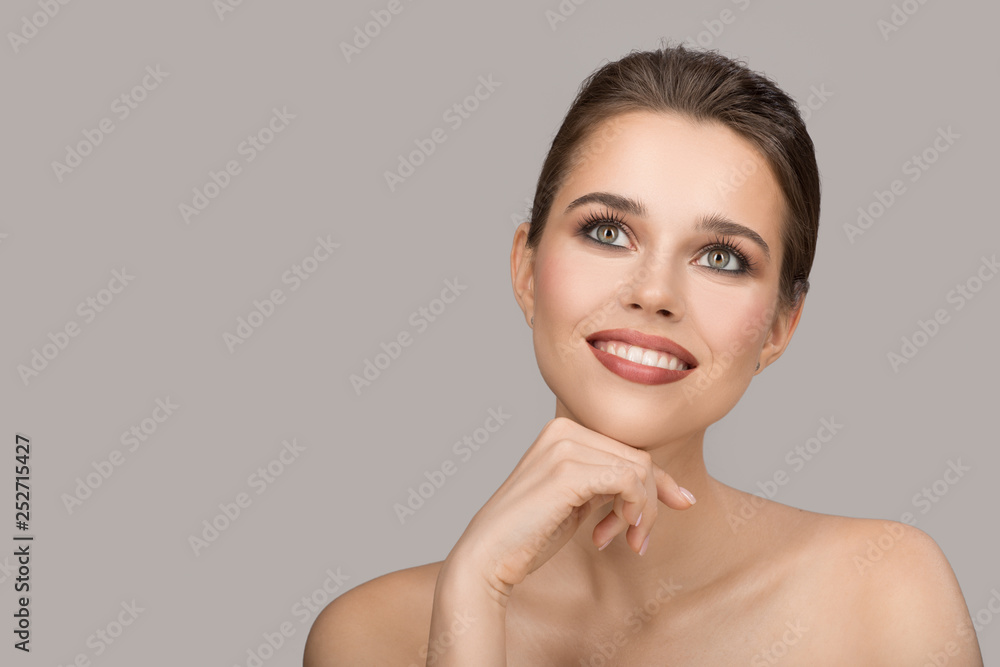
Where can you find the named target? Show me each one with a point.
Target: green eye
(723, 256)
(608, 234)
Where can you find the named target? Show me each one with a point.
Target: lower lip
(634, 372)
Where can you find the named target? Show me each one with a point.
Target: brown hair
(705, 86)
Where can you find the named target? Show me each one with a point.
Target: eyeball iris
(607, 233)
(718, 258)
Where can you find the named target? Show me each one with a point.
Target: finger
(607, 529)
(587, 480)
(669, 492)
(610, 468)
(637, 520)
(637, 536)
(639, 529)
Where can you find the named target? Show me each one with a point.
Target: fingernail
(639, 519)
(645, 543)
(601, 548)
(687, 494)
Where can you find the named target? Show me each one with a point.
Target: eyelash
(615, 219)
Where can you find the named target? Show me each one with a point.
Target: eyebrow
(715, 222)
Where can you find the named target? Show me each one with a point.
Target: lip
(636, 372)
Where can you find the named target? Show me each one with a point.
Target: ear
(522, 270)
(780, 334)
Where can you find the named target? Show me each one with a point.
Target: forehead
(680, 168)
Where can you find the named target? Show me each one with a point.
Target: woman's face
(695, 261)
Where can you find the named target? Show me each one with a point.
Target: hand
(567, 472)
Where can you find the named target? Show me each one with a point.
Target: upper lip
(648, 341)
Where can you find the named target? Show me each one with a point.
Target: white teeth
(649, 358)
(641, 355)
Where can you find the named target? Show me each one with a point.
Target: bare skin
(816, 589)
(728, 579)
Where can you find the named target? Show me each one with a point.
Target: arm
(468, 624)
(566, 473)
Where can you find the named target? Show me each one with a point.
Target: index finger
(669, 492)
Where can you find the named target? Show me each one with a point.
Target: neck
(686, 547)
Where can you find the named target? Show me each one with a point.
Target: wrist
(463, 577)
(469, 620)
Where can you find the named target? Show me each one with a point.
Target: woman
(665, 264)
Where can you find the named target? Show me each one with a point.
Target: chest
(759, 631)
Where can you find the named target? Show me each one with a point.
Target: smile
(640, 357)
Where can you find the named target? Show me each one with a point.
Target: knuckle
(645, 458)
(558, 425)
(607, 477)
(632, 478)
(562, 448)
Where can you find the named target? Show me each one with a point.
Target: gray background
(332, 507)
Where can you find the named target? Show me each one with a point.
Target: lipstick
(634, 371)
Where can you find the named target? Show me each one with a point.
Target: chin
(637, 424)
(639, 415)
(644, 422)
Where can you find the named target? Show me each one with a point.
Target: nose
(656, 287)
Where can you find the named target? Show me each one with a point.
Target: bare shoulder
(911, 595)
(383, 621)
(896, 584)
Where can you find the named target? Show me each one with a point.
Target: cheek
(734, 329)
(569, 291)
